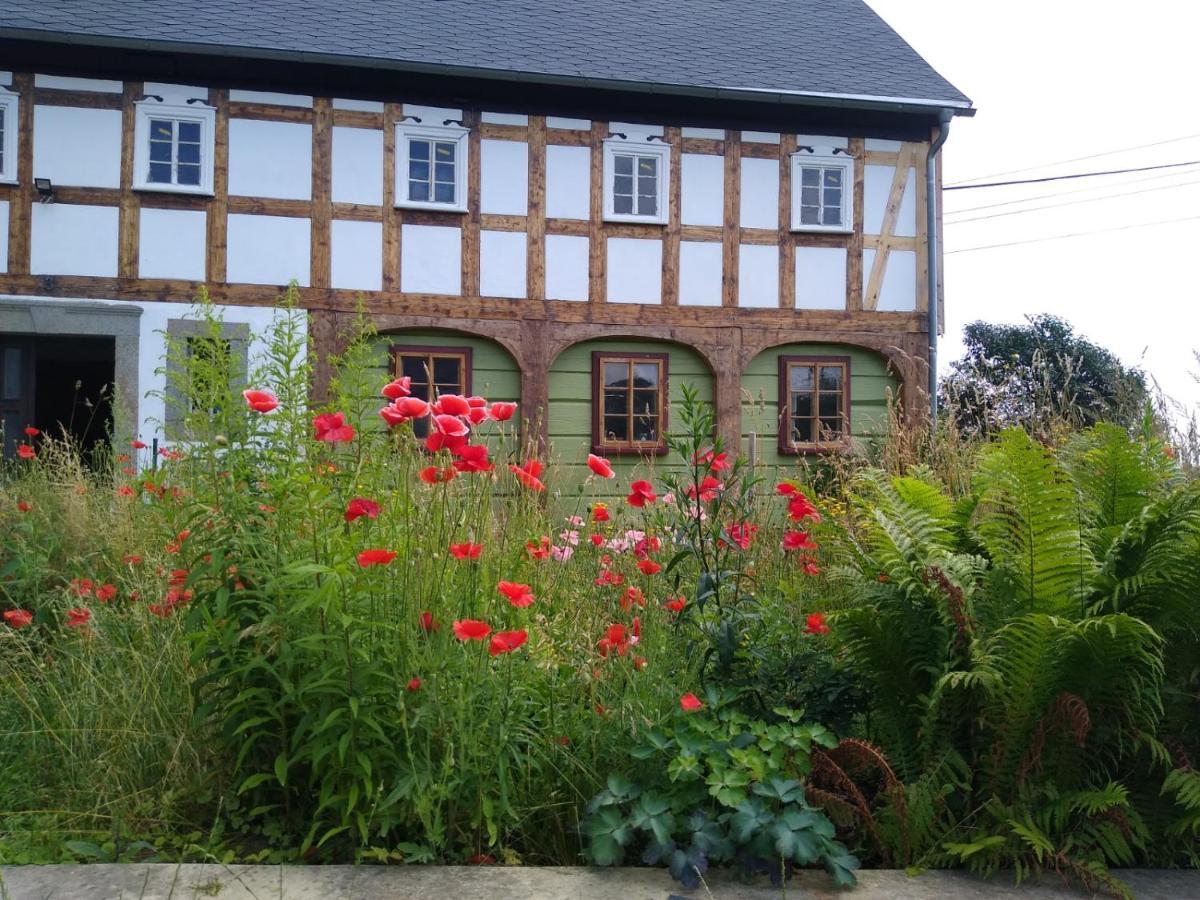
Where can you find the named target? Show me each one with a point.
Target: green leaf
(281, 763)
(684, 767)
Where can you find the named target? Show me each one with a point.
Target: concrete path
(197, 882)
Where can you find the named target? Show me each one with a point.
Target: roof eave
(916, 106)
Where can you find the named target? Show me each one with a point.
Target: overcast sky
(1053, 81)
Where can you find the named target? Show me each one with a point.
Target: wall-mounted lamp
(45, 189)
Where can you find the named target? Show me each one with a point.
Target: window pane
(801, 406)
(809, 196)
(831, 429)
(160, 173)
(623, 204)
(418, 150)
(444, 172)
(810, 177)
(801, 378)
(623, 184)
(189, 131)
(443, 193)
(161, 130)
(616, 374)
(188, 153)
(645, 402)
(833, 178)
(160, 151)
(830, 404)
(447, 371)
(418, 170)
(645, 428)
(833, 216)
(414, 368)
(802, 431)
(445, 152)
(418, 190)
(189, 174)
(616, 402)
(645, 374)
(12, 375)
(623, 165)
(647, 206)
(809, 215)
(831, 378)
(648, 166)
(833, 197)
(616, 428)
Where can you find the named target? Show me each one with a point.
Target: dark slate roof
(800, 47)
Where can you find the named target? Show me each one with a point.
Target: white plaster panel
(502, 264)
(175, 93)
(906, 215)
(432, 115)
(868, 263)
(711, 133)
(356, 250)
(700, 273)
(357, 166)
(67, 83)
(760, 193)
(431, 259)
(820, 142)
(758, 276)
(761, 137)
(568, 182)
(882, 145)
(270, 159)
(271, 97)
(877, 185)
(268, 249)
(504, 177)
(374, 106)
(898, 292)
(702, 189)
(3, 235)
(566, 267)
(73, 240)
(77, 147)
(821, 278)
(504, 118)
(634, 270)
(6, 78)
(635, 129)
(172, 243)
(571, 124)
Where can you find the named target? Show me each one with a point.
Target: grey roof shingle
(782, 46)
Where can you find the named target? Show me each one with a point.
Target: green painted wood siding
(870, 381)
(570, 414)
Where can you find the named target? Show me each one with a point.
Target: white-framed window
(431, 165)
(822, 191)
(636, 174)
(173, 147)
(9, 106)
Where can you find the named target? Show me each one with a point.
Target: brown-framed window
(814, 403)
(434, 371)
(630, 398)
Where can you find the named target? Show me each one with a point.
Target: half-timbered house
(580, 206)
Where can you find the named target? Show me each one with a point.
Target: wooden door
(16, 391)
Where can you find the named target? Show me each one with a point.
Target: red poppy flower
(106, 592)
(639, 663)
(178, 577)
(707, 490)
(815, 624)
(450, 426)
(30, 431)
(632, 596)
(24, 506)
(563, 741)
(676, 604)
(690, 703)
(466, 551)
(538, 549)
(596, 539)
(399, 387)
(361, 506)
(600, 709)
(392, 415)
(260, 401)
(528, 474)
(414, 685)
(600, 513)
(137, 445)
(741, 534)
(646, 546)
(717, 462)
(797, 540)
(800, 508)
(435, 475)
(131, 559)
(810, 567)
(502, 411)
(125, 491)
(452, 405)
(472, 458)
(81, 587)
(18, 618)
(519, 595)
(615, 640)
(428, 623)
(79, 617)
(882, 577)
(506, 641)
(170, 455)
(610, 577)
(376, 557)
(648, 567)
(478, 414)
(25, 451)
(641, 493)
(471, 630)
(785, 489)
(332, 428)
(600, 466)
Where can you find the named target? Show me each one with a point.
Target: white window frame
(447, 132)
(831, 158)
(204, 115)
(11, 104)
(643, 146)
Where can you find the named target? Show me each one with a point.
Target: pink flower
(400, 387)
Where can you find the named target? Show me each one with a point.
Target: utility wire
(1017, 212)
(1056, 194)
(991, 184)
(1059, 237)
(1062, 162)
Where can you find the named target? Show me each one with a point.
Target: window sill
(619, 219)
(173, 189)
(431, 207)
(841, 447)
(815, 229)
(602, 450)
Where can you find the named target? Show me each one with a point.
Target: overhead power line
(1063, 162)
(1052, 195)
(1073, 234)
(1017, 212)
(991, 184)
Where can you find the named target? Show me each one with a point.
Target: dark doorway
(60, 385)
